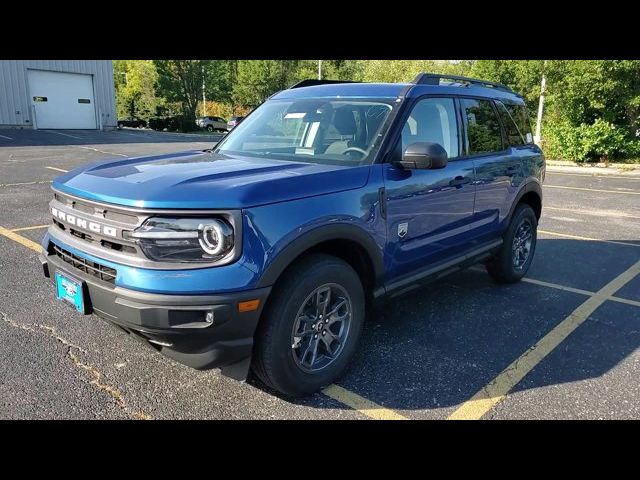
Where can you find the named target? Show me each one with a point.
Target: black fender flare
(341, 231)
(531, 186)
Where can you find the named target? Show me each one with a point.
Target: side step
(430, 274)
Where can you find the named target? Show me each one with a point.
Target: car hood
(202, 179)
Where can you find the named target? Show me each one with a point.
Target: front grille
(94, 269)
(86, 220)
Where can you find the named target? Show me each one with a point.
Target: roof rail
(312, 82)
(434, 79)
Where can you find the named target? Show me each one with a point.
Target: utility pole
(204, 98)
(319, 69)
(543, 84)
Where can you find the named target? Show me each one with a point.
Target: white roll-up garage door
(62, 100)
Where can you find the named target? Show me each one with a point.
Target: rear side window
(483, 127)
(521, 116)
(516, 122)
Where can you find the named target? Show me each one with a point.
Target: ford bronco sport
(265, 253)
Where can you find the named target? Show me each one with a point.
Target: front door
(428, 211)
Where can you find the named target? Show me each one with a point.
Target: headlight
(203, 240)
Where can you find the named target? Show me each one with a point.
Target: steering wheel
(354, 149)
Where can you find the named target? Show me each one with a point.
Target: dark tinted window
(510, 123)
(521, 117)
(483, 128)
(433, 120)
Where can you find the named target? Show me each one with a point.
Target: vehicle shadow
(437, 346)
(28, 138)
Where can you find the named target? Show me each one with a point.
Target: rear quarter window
(520, 116)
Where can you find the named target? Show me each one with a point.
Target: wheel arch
(531, 194)
(345, 241)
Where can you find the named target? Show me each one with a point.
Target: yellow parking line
(361, 404)
(20, 239)
(558, 286)
(493, 393)
(591, 189)
(35, 227)
(57, 169)
(578, 290)
(625, 300)
(578, 237)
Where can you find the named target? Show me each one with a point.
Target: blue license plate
(70, 290)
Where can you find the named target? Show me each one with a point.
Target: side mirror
(423, 155)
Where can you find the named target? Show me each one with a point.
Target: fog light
(209, 317)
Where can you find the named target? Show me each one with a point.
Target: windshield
(333, 131)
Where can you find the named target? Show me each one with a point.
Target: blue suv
(265, 253)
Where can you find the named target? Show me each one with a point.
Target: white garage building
(57, 94)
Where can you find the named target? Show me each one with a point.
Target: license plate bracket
(70, 290)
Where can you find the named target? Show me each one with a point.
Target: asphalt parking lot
(561, 344)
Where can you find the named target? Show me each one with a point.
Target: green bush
(601, 140)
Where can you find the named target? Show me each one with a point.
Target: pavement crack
(75, 360)
(108, 389)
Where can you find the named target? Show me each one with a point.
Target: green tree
(135, 88)
(181, 81)
(523, 76)
(406, 70)
(257, 80)
(593, 109)
(219, 79)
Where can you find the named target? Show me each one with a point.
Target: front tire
(310, 328)
(516, 254)
(209, 128)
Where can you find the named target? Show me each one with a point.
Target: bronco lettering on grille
(82, 223)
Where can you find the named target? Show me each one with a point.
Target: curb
(629, 170)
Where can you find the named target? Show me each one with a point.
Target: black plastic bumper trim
(178, 320)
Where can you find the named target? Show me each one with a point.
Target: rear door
(515, 120)
(428, 211)
(498, 171)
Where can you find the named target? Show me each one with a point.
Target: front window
(433, 120)
(332, 131)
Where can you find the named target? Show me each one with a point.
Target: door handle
(459, 181)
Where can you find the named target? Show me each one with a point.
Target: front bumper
(176, 324)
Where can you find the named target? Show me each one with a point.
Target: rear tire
(513, 260)
(297, 350)
(209, 128)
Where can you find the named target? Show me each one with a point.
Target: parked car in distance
(233, 121)
(267, 251)
(212, 124)
(132, 122)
